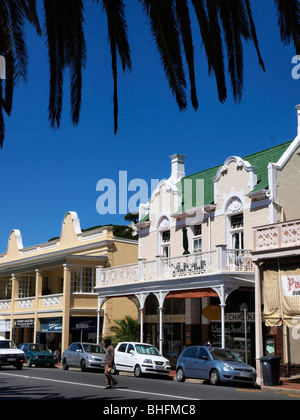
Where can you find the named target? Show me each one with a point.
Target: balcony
(277, 236)
(185, 266)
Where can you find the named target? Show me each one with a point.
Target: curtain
(282, 295)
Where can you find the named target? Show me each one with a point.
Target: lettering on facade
(290, 286)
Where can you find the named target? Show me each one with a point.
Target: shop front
(84, 329)
(50, 333)
(23, 330)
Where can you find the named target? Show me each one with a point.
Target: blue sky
(47, 172)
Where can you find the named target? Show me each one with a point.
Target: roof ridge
(245, 157)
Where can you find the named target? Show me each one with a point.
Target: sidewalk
(290, 385)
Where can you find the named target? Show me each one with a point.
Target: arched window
(164, 236)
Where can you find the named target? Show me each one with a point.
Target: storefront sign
(24, 323)
(83, 323)
(51, 325)
(290, 286)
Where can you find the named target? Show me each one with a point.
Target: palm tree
(223, 25)
(125, 329)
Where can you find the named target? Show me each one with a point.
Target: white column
(222, 305)
(258, 325)
(161, 298)
(101, 300)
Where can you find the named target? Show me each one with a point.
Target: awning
(190, 294)
(282, 295)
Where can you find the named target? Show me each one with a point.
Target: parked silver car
(215, 364)
(84, 355)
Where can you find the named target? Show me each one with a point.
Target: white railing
(222, 259)
(118, 275)
(280, 235)
(190, 265)
(239, 260)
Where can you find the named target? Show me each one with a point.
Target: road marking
(100, 387)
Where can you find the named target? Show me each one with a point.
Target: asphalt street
(56, 384)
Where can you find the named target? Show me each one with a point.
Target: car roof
(135, 342)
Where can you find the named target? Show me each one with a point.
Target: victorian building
(47, 291)
(195, 278)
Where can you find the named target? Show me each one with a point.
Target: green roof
(204, 178)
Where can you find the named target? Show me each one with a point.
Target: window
(237, 232)
(26, 286)
(5, 288)
(197, 240)
(122, 347)
(165, 240)
(82, 280)
(202, 353)
(191, 352)
(130, 347)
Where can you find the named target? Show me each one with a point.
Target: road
(56, 384)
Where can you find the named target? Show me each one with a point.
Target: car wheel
(180, 375)
(214, 377)
(137, 371)
(65, 365)
(28, 362)
(83, 365)
(19, 366)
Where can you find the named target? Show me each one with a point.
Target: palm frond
(118, 39)
(253, 34)
(183, 16)
(66, 48)
(164, 27)
(288, 12)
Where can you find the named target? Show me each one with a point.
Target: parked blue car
(215, 364)
(38, 354)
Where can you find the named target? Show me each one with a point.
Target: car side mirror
(204, 357)
(131, 351)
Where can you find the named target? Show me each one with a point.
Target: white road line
(98, 386)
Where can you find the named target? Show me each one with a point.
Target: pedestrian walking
(109, 360)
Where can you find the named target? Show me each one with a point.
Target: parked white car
(140, 358)
(10, 355)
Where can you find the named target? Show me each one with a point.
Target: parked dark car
(84, 356)
(215, 364)
(38, 354)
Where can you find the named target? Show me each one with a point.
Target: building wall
(233, 182)
(288, 179)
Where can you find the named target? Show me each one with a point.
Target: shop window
(174, 307)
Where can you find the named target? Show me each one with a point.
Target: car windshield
(38, 347)
(224, 355)
(143, 349)
(7, 344)
(93, 348)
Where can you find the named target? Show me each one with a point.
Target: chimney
(178, 167)
(298, 118)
